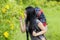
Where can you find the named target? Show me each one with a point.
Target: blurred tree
(54, 0)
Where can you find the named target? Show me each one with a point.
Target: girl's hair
(31, 15)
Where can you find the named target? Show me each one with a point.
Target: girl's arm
(43, 30)
(22, 25)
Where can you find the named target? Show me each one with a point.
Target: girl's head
(30, 12)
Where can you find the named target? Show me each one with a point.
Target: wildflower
(6, 34)
(22, 15)
(7, 6)
(4, 10)
(36, 2)
(8, 21)
(11, 26)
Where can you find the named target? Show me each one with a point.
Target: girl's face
(25, 14)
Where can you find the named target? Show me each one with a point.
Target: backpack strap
(36, 25)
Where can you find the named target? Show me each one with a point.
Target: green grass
(53, 19)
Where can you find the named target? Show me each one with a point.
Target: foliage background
(11, 10)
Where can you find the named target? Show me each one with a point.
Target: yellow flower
(7, 6)
(4, 10)
(36, 2)
(8, 21)
(6, 34)
(11, 26)
(22, 15)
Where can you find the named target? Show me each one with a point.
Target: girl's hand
(34, 33)
(22, 25)
(20, 19)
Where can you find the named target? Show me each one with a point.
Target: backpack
(33, 27)
(41, 16)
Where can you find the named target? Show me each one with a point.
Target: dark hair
(31, 15)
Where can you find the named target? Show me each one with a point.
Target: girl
(36, 28)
